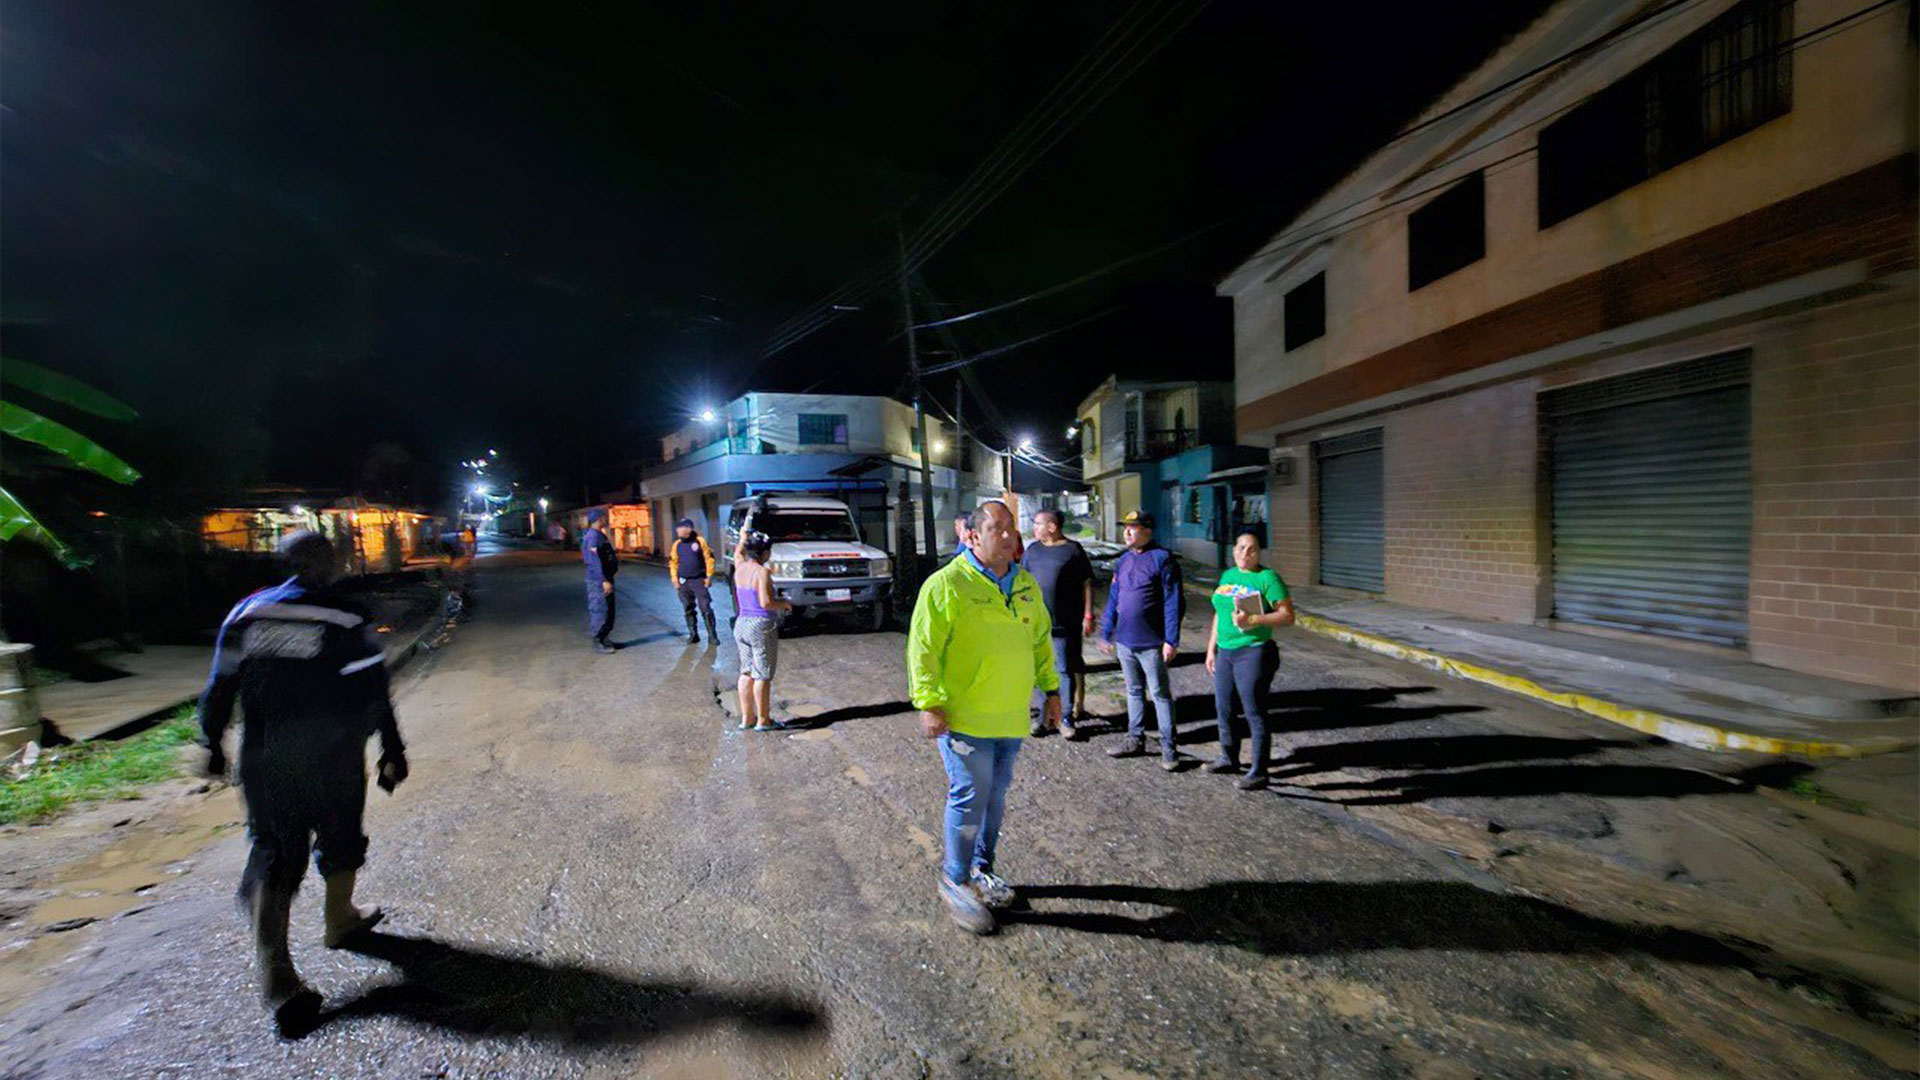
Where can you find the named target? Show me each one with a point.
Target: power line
(953, 365)
(1015, 154)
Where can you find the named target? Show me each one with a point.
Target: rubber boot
(294, 1004)
(713, 637)
(693, 630)
(343, 919)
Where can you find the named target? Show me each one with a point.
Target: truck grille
(833, 568)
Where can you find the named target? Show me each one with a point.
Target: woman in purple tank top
(756, 633)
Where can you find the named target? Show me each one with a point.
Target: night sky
(290, 232)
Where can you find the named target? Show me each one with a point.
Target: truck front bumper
(829, 592)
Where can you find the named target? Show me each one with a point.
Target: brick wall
(1461, 504)
(1292, 531)
(1836, 554)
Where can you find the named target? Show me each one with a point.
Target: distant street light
(543, 506)
(480, 490)
(1073, 431)
(1026, 445)
(939, 446)
(493, 453)
(706, 416)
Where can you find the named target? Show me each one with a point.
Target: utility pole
(959, 438)
(919, 409)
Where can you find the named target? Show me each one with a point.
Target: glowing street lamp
(706, 416)
(480, 490)
(543, 506)
(1026, 445)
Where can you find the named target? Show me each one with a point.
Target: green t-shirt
(1235, 583)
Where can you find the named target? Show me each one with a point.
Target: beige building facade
(1620, 337)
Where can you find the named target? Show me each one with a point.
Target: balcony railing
(738, 444)
(1155, 444)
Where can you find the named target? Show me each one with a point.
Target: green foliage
(62, 388)
(29, 426)
(97, 771)
(1810, 790)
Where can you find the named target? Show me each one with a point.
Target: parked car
(819, 562)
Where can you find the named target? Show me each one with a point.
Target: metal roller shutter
(1653, 500)
(1353, 517)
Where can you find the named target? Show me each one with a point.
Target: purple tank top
(746, 590)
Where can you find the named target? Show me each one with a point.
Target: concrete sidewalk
(1690, 697)
(162, 678)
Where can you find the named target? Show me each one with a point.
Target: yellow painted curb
(1672, 728)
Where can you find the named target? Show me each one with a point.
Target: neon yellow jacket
(979, 654)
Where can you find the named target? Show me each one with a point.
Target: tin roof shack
(369, 537)
(629, 525)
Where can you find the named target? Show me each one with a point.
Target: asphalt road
(592, 874)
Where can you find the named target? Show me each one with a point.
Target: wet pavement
(592, 873)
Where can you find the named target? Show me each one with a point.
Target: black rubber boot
(295, 1006)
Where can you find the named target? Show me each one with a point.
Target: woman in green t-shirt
(1249, 603)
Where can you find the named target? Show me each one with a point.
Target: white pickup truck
(819, 563)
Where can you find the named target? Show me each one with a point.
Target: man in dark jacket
(1142, 624)
(309, 674)
(596, 550)
(690, 568)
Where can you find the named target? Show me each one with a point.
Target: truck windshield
(802, 525)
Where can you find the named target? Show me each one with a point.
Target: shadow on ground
(1326, 709)
(1617, 781)
(1313, 918)
(852, 712)
(1453, 752)
(482, 993)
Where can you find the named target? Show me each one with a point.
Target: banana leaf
(16, 520)
(63, 440)
(62, 388)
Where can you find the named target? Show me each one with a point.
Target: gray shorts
(758, 639)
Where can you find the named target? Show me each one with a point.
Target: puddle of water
(119, 879)
(120, 876)
(813, 734)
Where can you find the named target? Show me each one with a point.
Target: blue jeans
(1246, 672)
(1146, 674)
(979, 772)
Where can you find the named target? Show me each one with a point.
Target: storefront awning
(1235, 473)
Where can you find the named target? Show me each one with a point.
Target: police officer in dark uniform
(596, 550)
(308, 671)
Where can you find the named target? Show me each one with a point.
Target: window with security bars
(1722, 81)
(823, 429)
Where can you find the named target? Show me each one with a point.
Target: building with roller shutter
(1619, 337)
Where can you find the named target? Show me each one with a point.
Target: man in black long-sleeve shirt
(310, 676)
(603, 562)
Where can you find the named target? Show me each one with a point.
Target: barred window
(823, 429)
(1722, 81)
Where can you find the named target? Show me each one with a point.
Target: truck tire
(876, 618)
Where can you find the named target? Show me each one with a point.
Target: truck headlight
(785, 568)
(880, 567)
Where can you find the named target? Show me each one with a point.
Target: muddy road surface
(593, 874)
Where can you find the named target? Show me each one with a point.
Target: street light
(480, 490)
(543, 506)
(706, 416)
(492, 452)
(1073, 431)
(1026, 445)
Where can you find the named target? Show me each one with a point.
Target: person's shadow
(1316, 918)
(482, 993)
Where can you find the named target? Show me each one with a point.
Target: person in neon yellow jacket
(979, 643)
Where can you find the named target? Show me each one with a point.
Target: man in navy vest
(1142, 625)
